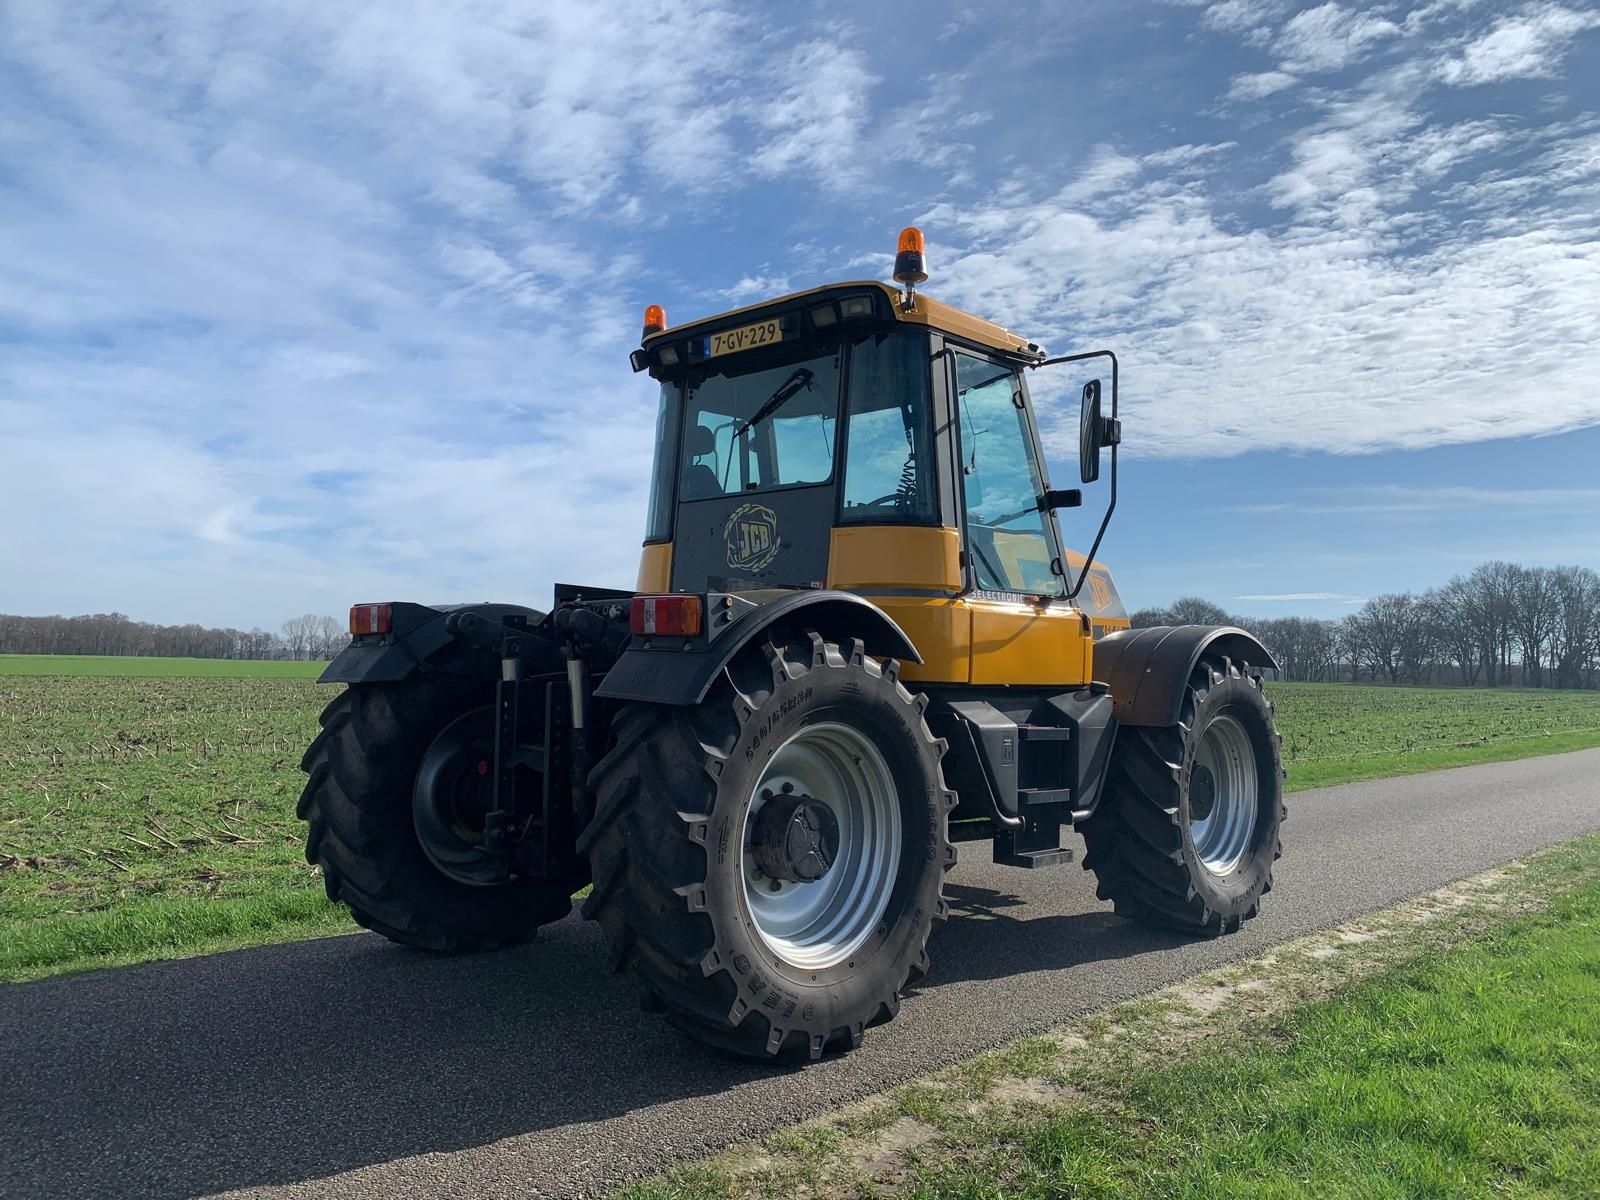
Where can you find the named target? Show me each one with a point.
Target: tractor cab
(861, 438)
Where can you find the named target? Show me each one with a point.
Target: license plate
(746, 337)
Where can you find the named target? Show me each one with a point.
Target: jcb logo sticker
(1099, 591)
(752, 537)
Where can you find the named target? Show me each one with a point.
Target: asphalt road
(349, 1067)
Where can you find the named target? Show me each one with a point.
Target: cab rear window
(727, 450)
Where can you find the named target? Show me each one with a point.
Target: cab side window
(888, 477)
(1006, 532)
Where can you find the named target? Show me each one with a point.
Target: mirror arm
(1112, 425)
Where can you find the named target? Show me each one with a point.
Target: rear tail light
(371, 618)
(673, 616)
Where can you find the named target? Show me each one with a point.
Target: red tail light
(672, 616)
(371, 618)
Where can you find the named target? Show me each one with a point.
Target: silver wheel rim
(822, 923)
(1222, 836)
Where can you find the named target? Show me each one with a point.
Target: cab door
(1024, 631)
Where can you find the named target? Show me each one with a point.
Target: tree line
(309, 637)
(1501, 625)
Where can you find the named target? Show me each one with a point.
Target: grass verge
(171, 927)
(1449, 1047)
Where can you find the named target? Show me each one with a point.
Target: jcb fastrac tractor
(857, 640)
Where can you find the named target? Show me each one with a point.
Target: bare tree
(1450, 609)
(1196, 610)
(330, 637)
(1575, 640)
(1534, 614)
(298, 633)
(1386, 631)
(1145, 618)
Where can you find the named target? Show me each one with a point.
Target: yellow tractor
(857, 639)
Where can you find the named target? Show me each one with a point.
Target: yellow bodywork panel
(655, 567)
(1099, 597)
(894, 556)
(962, 639)
(1020, 643)
(918, 562)
(941, 630)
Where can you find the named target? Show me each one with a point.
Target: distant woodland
(1502, 625)
(306, 637)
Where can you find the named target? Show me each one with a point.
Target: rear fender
(1147, 669)
(682, 674)
(419, 640)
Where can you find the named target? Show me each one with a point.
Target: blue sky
(309, 303)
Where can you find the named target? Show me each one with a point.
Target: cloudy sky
(306, 303)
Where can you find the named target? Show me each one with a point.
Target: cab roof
(924, 310)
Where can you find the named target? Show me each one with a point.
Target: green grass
(164, 790)
(144, 817)
(1342, 733)
(130, 666)
(1471, 1072)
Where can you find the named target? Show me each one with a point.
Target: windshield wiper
(1009, 517)
(787, 390)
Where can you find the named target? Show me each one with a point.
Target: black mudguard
(678, 673)
(419, 639)
(1147, 669)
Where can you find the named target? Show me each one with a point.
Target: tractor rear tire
(357, 802)
(1187, 832)
(750, 962)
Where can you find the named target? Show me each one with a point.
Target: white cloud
(1260, 85)
(1106, 171)
(1372, 149)
(1241, 16)
(815, 122)
(1330, 38)
(1339, 335)
(1528, 45)
(754, 287)
(1404, 499)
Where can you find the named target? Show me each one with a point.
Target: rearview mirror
(1089, 429)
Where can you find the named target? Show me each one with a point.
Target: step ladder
(1037, 843)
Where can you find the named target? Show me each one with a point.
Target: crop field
(149, 813)
(1340, 732)
(126, 665)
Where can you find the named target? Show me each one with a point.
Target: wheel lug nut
(775, 886)
(788, 788)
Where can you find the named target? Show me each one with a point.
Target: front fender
(673, 675)
(1147, 669)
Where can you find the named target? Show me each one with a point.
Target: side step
(1058, 857)
(1044, 810)
(1038, 842)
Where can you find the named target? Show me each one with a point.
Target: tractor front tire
(1187, 832)
(358, 804)
(770, 862)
